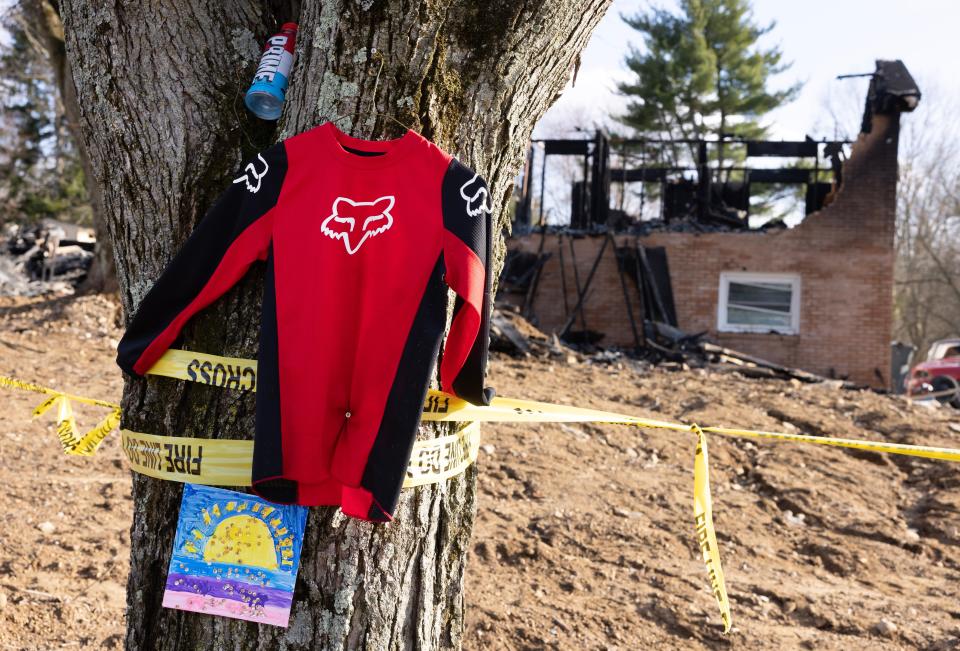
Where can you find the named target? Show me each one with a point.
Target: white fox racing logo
(373, 216)
(251, 171)
(476, 196)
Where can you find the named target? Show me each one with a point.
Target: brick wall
(843, 255)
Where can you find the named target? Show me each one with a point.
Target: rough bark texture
(160, 88)
(46, 22)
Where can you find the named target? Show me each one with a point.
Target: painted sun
(251, 535)
(241, 540)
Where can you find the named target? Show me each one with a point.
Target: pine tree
(702, 74)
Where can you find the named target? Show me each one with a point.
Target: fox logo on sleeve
(474, 192)
(251, 171)
(355, 221)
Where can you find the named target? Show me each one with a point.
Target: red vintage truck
(939, 374)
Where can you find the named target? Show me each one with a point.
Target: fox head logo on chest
(356, 221)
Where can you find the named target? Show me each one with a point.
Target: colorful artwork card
(235, 555)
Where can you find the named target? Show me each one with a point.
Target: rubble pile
(46, 258)
(666, 346)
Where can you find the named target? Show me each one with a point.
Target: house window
(755, 302)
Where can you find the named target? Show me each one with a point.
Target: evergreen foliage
(702, 74)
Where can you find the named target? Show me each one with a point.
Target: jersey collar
(394, 150)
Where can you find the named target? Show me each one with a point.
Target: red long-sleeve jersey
(360, 240)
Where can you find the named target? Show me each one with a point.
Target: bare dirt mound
(63, 563)
(584, 536)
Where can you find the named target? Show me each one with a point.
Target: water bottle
(266, 95)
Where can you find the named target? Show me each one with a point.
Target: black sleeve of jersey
(230, 237)
(467, 217)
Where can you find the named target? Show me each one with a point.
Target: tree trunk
(160, 88)
(46, 21)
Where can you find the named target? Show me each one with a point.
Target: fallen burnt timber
(666, 346)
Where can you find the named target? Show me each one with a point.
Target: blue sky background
(822, 38)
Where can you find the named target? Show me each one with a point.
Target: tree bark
(160, 88)
(46, 22)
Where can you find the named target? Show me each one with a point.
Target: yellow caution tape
(220, 462)
(241, 374)
(926, 451)
(70, 438)
(42, 408)
(438, 406)
(87, 444)
(229, 462)
(66, 423)
(227, 372)
(438, 459)
(14, 383)
(706, 535)
(195, 461)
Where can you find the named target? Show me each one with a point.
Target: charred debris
(707, 196)
(672, 197)
(667, 347)
(698, 185)
(640, 186)
(44, 257)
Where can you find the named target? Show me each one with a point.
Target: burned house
(816, 295)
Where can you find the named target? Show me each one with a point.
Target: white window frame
(740, 276)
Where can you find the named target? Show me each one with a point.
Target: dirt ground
(585, 535)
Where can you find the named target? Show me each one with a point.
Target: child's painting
(235, 555)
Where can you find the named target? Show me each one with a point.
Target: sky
(822, 39)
